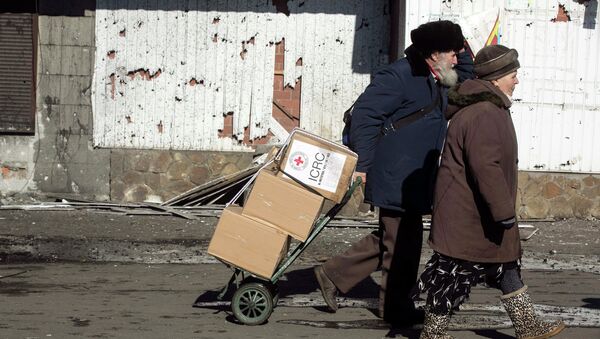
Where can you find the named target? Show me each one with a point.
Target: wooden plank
(172, 211)
(149, 213)
(205, 197)
(215, 207)
(213, 184)
(104, 204)
(208, 215)
(119, 210)
(38, 207)
(207, 186)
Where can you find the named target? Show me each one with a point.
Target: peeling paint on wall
(229, 49)
(13, 171)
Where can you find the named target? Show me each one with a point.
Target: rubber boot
(527, 324)
(435, 326)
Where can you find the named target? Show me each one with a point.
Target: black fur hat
(437, 36)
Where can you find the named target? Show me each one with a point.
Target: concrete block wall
(66, 162)
(540, 196)
(558, 195)
(157, 176)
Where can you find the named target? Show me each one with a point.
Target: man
(398, 165)
(474, 234)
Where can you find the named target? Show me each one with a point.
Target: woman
(474, 234)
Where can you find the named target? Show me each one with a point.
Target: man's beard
(446, 73)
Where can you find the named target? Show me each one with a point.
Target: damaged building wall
(66, 161)
(555, 107)
(176, 75)
(59, 157)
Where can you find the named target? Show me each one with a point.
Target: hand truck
(255, 298)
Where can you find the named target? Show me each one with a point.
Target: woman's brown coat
(477, 179)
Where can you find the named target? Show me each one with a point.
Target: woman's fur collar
(463, 100)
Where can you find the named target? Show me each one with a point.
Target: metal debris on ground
(191, 213)
(12, 275)
(199, 211)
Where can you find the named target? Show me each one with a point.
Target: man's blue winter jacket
(401, 165)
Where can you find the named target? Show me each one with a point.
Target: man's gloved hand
(362, 175)
(508, 223)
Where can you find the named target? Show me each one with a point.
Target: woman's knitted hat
(495, 61)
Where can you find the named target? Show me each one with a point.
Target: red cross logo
(298, 161)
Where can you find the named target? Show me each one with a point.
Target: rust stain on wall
(122, 33)
(144, 74)
(244, 51)
(193, 82)
(160, 127)
(111, 54)
(562, 15)
(263, 140)
(13, 172)
(112, 78)
(227, 131)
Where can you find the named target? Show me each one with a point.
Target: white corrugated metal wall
(166, 72)
(556, 111)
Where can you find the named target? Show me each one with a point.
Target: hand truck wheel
(252, 303)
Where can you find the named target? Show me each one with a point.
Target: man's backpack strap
(410, 118)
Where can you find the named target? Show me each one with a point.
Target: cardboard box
(247, 243)
(323, 165)
(286, 206)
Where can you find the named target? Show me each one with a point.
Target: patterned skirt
(448, 281)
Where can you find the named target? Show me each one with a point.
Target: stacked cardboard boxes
(321, 164)
(256, 238)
